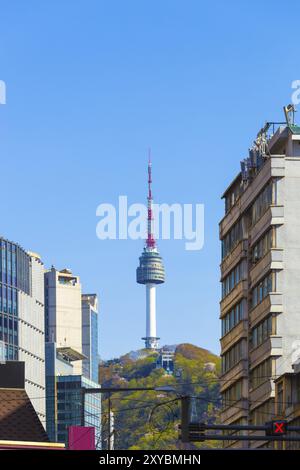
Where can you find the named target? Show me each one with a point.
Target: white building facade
(90, 336)
(63, 311)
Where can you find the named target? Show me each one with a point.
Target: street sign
(276, 428)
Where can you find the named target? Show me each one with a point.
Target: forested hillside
(151, 418)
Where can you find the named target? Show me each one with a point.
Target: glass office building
(64, 396)
(22, 317)
(14, 275)
(69, 406)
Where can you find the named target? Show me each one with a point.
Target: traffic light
(276, 428)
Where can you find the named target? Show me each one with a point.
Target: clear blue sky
(90, 85)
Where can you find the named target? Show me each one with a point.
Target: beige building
(63, 312)
(260, 275)
(287, 404)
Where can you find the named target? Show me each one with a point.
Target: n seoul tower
(150, 271)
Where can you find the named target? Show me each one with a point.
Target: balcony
(274, 166)
(237, 293)
(239, 252)
(273, 216)
(292, 411)
(271, 347)
(262, 392)
(272, 260)
(271, 304)
(235, 373)
(234, 411)
(238, 332)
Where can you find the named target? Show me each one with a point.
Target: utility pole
(185, 418)
(112, 430)
(110, 424)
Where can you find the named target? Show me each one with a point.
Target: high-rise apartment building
(90, 336)
(71, 356)
(260, 273)
(22, 317)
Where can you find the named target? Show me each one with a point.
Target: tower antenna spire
(150, 243)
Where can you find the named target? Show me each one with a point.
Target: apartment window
(263, 413)
(232, 197)
(262, 331)
(233, 317)
(296, 387)
(231, 280)
(232, 238)
(261, 373)
(293, 445)
(232, 394)
(263, 246)
(263, 201)
(263, 288)
(280, 398)
(232, 357)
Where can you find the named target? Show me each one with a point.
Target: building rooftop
(268, 142)
(18, 419)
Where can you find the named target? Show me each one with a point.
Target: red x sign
(279, 428)
(276, 427)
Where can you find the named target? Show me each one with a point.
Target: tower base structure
(151, 342)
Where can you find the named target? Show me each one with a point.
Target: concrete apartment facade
(63, 311)
(260, 275)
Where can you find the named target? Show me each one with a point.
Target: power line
(216, 380)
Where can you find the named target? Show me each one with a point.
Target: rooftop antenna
(289, 112)
(150, 242)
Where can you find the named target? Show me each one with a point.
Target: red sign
(81, 438)
(279, 427)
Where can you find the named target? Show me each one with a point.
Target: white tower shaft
(150, 311)
(151, 338)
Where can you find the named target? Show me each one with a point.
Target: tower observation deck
(150, 272)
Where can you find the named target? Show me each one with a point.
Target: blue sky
(90, 86)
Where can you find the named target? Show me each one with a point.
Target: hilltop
(150, 423)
